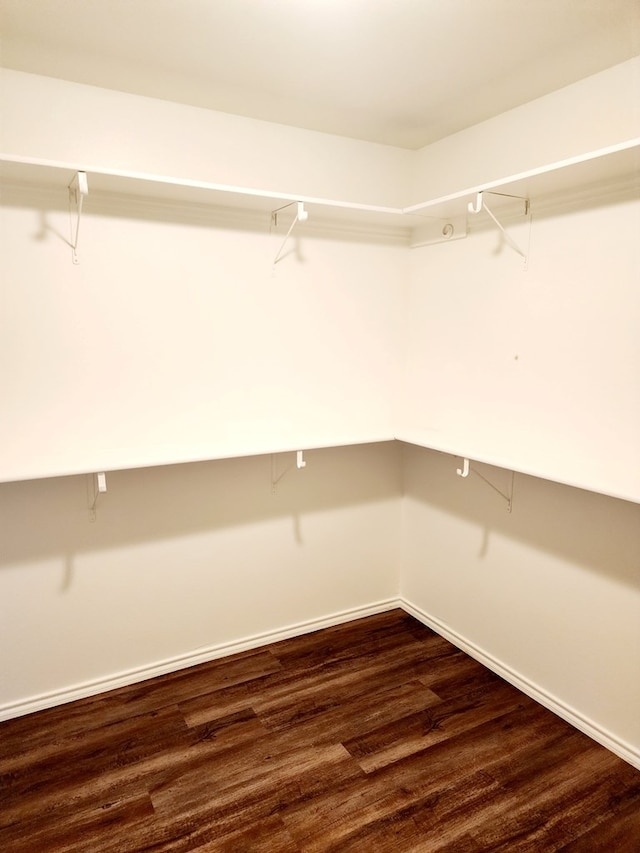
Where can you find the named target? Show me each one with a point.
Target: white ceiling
(400, 72)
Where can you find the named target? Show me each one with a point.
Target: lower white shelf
(624, 485)
(593, 475)
(120, 459)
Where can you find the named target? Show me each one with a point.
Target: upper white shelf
(597, 167)
(163, 188)
(590, 169)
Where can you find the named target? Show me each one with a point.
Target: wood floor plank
(417, 779)
(228, 733)
(329, 680)
(389, 666)
(373, 633)
(455, 673)
(77, 783)
(65, 721)
(375, 735)
(619, 832)
(202, 679)
(296, 682)
(110, 828)
(251, 773)
(439, 721)
(562, 818)
(264, 836)
(340, 715)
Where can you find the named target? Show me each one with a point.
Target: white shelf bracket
(275, 477)
(480, 204)
(99, 487)
(78, 189)
(301, 216)
(466, 469)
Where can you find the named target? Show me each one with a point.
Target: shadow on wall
(588, 529)
(51, 518)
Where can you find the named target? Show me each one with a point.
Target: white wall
(86, 126)
(549, 595)
(175, 339)
(183, 560)
(592, 114)
(172, 331)
(538, 369)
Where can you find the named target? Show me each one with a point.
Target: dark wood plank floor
(377, 735)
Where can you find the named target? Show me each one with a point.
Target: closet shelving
(184, 191)
(121, 459)
(595, 167)
(616, 167)
(570, 474)
(613, 164)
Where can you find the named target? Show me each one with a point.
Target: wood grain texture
(377, 735)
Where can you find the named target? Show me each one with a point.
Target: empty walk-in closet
(263, 372)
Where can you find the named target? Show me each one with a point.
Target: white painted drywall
(175, 338)
(593, 114)
(87, 127)
(551, 592)
(537, 369)
(184, 559)
(188, 558)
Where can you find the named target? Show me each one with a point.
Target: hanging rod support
(78, 189)
(301, 216)
(99, 485)
(464, 472)
(480, 204)
(275, 477)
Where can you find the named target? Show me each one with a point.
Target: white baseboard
(143, 673)
(596, 732)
